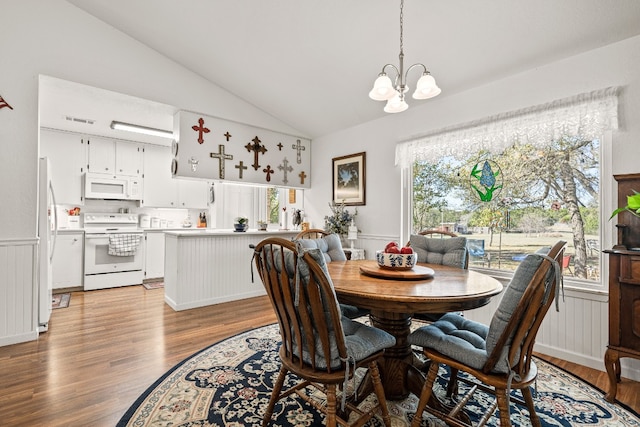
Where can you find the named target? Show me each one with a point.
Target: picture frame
(349, 179)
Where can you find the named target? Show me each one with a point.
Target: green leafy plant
(339, 220)
(241, 220)
(633, 205)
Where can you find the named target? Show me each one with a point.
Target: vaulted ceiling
(311, 63)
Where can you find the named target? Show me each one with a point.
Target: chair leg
(331, 405)
(528, 398)
(452, 387)
(275, 395)
(425, 394)
(503, 407)
(379, 390)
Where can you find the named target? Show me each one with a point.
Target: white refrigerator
(47, 232)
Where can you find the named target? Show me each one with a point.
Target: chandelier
(394, 93)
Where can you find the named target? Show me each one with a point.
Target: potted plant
(241, 223)
(262, 225)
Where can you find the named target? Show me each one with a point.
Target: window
(273, 205)
(516, 201)
(518, 181)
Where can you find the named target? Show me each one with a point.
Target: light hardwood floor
(104, 350)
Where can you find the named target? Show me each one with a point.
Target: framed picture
(349, 179)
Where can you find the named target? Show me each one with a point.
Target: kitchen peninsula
(205, 267)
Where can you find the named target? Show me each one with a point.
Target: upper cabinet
(161, 190)
(114, 157)
(67, 156)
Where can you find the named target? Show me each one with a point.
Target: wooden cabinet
(154, 255)
(624, 288)
(114, 157)
(68, 259)
(67, 156)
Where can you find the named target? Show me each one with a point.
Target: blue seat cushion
(450, 251)
(456, 337)
(329, 245)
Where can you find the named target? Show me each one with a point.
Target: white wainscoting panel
(211, 267)
(18, 298)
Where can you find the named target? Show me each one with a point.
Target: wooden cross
(285, 168)
(256, 148)
(200, 129)
(268, 171)
(227, 135)
(280, 146)
(302, 176)
(221, 156)
(297, 146)
(240, 166)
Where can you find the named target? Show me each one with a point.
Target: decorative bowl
(396, 261)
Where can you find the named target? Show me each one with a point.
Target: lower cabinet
(68, 261)
(154, 255)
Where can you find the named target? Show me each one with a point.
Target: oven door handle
(106, 235)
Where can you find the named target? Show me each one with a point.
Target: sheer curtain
(586, 115)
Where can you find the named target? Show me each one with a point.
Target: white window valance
(586, 115)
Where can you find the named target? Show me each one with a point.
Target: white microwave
(99, 186)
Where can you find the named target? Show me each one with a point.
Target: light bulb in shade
(426, 87)
(382, 88)
(396, 104)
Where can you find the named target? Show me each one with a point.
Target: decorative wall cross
(298, 147)
(4, 103)
(200, 129)
(268, 171)
(280, 146)
(241, 167)
(302, 176)
(221, 156)
(227, 135)
(256, 148)
(285, 168)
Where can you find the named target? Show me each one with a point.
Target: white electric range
(106, 265)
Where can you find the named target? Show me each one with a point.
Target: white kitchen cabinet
(114, 157)
(67, 157)
(68, 260)
(161, 190)
(193, 194)
(154, 255)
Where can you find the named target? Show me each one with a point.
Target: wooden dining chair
(439, 247)
(312, 233)
(498, 357)
(331, 248)
(319, 345)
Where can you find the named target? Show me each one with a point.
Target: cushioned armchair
(331, 249)
(319, 345)
(498, 356)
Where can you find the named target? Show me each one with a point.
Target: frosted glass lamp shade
(382, 89)
(396, 105)
(426, 87)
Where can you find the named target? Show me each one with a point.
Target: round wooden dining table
(394, 296)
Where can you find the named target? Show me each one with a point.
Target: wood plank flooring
(108, 346)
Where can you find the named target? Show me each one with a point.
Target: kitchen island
(205, 267)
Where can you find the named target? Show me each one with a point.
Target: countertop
(205, 232)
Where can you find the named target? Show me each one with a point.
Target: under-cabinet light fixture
(141, 129)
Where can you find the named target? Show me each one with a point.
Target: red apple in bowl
(406, 250)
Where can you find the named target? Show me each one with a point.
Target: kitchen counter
(211, 266)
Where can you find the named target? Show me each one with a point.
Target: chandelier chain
(401, 25)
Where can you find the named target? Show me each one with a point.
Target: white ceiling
(311, 63)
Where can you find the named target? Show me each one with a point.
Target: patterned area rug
(60, 300)
(229, 384)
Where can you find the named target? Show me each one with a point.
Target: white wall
(54, 38)
(379, 220)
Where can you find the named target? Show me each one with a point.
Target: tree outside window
(544, 194)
